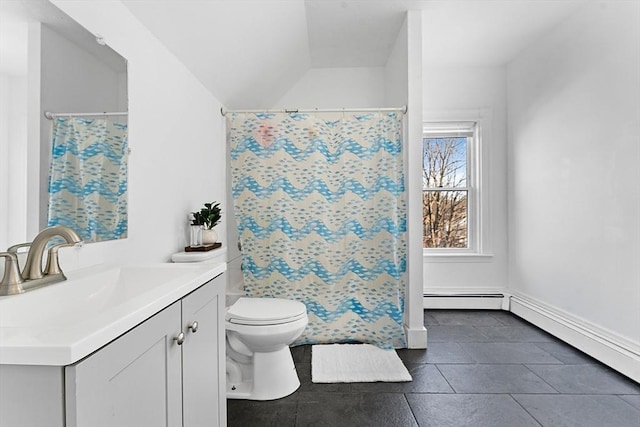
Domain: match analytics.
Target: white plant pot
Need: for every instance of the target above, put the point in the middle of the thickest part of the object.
(209, 237)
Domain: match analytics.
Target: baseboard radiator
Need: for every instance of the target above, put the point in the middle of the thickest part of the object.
(477, 301)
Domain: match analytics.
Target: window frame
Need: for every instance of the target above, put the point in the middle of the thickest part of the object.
(478, 243)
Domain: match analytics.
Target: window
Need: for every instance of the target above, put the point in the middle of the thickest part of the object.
(448, 182)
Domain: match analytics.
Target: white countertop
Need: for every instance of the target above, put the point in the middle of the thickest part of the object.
(62, 323)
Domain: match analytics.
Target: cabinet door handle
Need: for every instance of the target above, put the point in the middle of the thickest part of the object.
(194, 326)
(179, 339)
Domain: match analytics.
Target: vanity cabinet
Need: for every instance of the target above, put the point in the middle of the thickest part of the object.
(168, 370)
(133, 381)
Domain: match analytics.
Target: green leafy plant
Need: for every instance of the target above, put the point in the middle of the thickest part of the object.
(209, 216)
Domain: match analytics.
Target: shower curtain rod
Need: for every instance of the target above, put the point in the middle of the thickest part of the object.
(49, 115)
(224, 111)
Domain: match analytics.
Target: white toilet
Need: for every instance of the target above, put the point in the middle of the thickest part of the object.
(259, 362)
(258, 334)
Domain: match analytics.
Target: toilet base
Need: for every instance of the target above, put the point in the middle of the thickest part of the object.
(274, 377)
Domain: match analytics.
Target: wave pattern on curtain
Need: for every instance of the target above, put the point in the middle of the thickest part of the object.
(88, 177)
(321, 211)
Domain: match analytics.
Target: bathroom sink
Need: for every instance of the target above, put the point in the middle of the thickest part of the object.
(62, 323)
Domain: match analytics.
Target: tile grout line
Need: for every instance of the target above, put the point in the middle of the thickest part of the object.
(542, 379)
(445, 378)
(525, 409)
(411, 409)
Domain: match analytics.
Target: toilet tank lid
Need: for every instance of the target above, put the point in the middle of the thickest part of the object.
(264, 309)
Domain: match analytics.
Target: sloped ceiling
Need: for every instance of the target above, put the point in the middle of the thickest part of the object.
(487, 32)
(355, 33)
(14, 19)
(248, 53)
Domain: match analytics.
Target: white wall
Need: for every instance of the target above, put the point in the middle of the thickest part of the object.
(4, 163)
(175, 131)
(336, 88)
(396, 70)
(574, 180)
(417, 334)
(473, 93)
(13, 159)
(403, 86)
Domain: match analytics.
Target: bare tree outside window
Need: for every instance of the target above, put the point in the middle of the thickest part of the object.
(445, 192)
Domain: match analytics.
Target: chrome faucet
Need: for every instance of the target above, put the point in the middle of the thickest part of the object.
(32, 275)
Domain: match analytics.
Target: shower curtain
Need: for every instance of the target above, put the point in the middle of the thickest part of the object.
(321, 210)
(88, 177)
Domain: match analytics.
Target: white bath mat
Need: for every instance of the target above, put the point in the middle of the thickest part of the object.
(356, 363)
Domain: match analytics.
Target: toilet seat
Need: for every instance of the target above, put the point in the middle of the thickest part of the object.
(265, 311)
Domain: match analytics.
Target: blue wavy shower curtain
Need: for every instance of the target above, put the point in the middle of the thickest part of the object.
(320, 204)
(88, 177)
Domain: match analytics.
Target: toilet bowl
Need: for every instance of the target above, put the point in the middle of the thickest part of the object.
(258, 334)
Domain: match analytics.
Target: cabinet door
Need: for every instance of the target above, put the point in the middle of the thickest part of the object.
(133, 381)
(203, 363)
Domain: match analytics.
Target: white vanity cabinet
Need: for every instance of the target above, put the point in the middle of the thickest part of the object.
(133, 381)
(168, 370)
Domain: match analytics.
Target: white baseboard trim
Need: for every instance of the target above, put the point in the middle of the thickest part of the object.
(416, 338)
(616, 352)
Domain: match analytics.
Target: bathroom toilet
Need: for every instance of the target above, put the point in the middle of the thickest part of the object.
(259, 362)
(258, 334)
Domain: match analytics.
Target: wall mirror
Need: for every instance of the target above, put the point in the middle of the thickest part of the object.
(49, 63)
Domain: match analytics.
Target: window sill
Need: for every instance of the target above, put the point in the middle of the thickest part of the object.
(456, 257)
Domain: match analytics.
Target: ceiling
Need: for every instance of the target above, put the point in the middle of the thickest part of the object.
(248, 53)
(15, 15)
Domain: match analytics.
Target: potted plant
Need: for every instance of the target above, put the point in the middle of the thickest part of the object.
(209, 216)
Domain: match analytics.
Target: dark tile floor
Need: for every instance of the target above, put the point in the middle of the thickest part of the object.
(482, 368)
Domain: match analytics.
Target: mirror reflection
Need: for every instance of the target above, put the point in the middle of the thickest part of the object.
(70, 168)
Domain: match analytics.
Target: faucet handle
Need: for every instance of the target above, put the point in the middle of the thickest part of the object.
(14, 249)
(12, 280)
(53, 266)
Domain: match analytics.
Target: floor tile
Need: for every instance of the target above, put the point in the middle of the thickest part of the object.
(474, 360)
(455, 333)
(245, 413)
(509, 319)
(580, 410)
(493, 379)
(633, 399)
(429, 320)
(517, 352)
(585, 379)
(515, 334)
(440, 352)
(464, 317)
(566, 354)
(301, 354)
(465, 410)
(412, 355)
(354, 409)
(426, 379)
